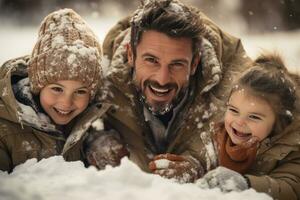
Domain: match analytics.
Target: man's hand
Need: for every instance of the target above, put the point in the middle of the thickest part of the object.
(184, 169)
(225, 179)
(105, 148)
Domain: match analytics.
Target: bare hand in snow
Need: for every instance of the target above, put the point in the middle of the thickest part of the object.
(225, 179)
(184, 169)
(105, 148)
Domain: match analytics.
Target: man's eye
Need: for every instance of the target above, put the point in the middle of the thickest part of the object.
(177, 65)
(57, 89)
(151, 60)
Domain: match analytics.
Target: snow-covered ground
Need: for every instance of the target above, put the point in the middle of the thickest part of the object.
(53, 179)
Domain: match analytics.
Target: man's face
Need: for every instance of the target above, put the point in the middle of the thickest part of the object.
(163, 66)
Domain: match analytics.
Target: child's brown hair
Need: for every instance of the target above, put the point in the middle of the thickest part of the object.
(269, 79)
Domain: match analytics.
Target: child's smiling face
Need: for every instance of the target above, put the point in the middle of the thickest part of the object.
(248, 116)
(64, 100)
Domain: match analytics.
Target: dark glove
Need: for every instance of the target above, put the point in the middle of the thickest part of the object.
(105, 148)
(225, 179)
(184, 169)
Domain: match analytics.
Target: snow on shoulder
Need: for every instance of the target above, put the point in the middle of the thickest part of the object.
(53, 178)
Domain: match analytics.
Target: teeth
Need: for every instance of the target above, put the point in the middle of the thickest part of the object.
(241, 134)
(159, 89)
(63, 112)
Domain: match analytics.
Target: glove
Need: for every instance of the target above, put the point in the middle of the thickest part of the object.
(225, 179)
(105, 148)
(184, 169)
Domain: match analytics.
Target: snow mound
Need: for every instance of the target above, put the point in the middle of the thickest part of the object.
(53, 178)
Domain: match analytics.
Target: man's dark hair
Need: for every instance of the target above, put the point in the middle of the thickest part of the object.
(169, 17)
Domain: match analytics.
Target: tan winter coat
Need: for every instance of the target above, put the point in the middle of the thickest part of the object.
(276, 170)
(23, 135)
(222, 55)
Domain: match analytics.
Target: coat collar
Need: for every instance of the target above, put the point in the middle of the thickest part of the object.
(23, 111)
(80, 130)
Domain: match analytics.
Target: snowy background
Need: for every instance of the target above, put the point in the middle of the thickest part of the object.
(18, 33)
(55, 179)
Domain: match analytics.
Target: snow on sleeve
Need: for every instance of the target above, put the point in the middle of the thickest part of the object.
(53, 178)
(98, 125)
(105, 64)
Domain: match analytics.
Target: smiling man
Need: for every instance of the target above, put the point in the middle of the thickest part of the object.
(169, 66)
(163, 66)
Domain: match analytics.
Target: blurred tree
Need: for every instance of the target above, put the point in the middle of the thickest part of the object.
(292, 13)
(270, 15)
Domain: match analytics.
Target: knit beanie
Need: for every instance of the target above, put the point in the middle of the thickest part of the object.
(67, 49)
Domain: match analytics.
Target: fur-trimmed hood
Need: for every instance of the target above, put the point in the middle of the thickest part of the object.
(17, 98)
(222, 55)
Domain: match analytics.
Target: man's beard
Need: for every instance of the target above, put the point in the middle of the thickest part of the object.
(160, 108)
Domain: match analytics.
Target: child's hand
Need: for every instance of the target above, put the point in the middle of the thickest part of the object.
(183, 169)
(106, 149)
(225, 179)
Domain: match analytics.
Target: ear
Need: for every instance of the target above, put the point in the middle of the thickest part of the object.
(195, 64)
(129, 54)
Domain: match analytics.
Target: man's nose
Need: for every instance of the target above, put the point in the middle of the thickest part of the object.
(163, 75)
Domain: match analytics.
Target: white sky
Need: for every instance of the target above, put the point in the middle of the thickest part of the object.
(17, 41)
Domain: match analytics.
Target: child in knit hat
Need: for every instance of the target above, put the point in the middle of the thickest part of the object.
(258, 144)
(43, 96)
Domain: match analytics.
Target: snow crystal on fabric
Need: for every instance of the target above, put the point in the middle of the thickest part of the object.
(4, 91)
(34, 119)
(162, 163)
(98, 125)
(71, 58)
(120, 55)
(27, 146)
(211, 155)
(105, 64)
(57, 41)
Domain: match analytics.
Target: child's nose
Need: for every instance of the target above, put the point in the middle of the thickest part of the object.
(240, 121)
(66, 101)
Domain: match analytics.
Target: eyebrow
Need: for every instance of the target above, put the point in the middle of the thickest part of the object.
(149, 54)
(173, 61)
(83, 87)
(259, 114)
(252, 113)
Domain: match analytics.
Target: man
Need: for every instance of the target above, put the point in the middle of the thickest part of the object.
(169, 68)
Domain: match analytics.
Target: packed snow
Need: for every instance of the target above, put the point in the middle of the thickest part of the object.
(53, 178)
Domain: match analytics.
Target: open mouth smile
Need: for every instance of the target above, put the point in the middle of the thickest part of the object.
(160, 91)
(240, 134)
(63, 112)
